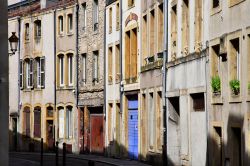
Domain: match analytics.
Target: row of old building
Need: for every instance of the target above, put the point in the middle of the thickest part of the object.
(152, 80)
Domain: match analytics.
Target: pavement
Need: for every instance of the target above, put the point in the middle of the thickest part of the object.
(33, 159)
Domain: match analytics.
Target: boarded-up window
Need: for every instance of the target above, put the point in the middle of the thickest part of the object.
(37, 122)
(61, 122)
(173, 31)
(198, 102)
(26, 121)
(117, 63)
(235, 59)
(160, 28)
(110, 65)
(152, 33)
(144, 39)
(69, 124)
(185, 27)
(110, 19)
(215, 60)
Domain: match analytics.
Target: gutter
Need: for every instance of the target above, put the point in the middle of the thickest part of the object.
(165, 112)
(19, 54)
(77, 54)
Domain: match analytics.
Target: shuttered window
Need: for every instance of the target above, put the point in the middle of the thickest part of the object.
(37, 122)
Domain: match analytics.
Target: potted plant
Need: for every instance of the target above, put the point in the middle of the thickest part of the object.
(235, 86)
(215, 84)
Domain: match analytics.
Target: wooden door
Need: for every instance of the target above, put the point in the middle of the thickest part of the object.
(96, 134)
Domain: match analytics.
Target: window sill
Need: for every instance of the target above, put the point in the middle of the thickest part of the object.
(216, 98)
(235, 98)
(27, 90)
(37, 89)
(61, 35)
(70, 34)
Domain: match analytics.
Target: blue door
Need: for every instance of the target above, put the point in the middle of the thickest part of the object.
(133, 129)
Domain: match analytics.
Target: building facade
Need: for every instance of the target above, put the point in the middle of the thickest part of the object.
(91, 76)
(113, 79)
(228, 83)
(186, 82)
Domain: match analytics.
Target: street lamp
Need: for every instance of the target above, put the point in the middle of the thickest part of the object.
(13, 40)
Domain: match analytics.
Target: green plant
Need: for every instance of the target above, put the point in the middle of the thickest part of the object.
(235, 86)
(215, 84)
(248, 86)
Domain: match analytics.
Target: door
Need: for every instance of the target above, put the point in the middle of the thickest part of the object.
(14, 126)
(133, 129)
(96, 133)
(50, 138)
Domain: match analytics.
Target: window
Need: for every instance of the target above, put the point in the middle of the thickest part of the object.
(84, 68)
(84, 8)
(37, 29)
(198, 24)
(151, 115)
(234, 59)
(37, 122)
(26, 121)
(95, 14)
(160, 28)
(50, 111)
(131, 3)
(60, 24)
(110, 20)
(117, 64)
(27, 31)
(29, 73)
(61, 122)
(185, 27)
(70, 69)
(131, 56)
(216, 3)
(198, 102)
(69, 125)
(215, 60)
(95, 66)
(21, 74)
(40, 72)
(61, 70)
(117, 16)
(144, 39)
(152, 33)
(110, 108)
(110, 65)
(70, 23)
(173, 32)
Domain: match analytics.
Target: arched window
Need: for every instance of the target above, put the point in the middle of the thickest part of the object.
(26, 121)
(37, 122)
(69, 124)
(61, 121)
(50, 111)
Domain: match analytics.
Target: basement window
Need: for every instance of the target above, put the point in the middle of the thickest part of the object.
(198, 102)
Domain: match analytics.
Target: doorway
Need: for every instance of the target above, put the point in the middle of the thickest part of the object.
(50, 134)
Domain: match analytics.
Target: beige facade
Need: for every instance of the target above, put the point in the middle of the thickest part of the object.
(228, 60)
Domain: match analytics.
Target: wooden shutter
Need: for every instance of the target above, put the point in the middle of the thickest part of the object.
(36, 72)
(31, 73)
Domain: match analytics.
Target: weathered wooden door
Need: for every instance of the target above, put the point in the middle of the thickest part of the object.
(96, 133)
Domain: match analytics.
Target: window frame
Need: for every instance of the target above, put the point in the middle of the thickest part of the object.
(70, 69)
(95, 15)
(84, 8)
(95, 66)
(84, 68)
(61, 71)
(27, 32)
(61, 25)
(38, 29)
(70, 23)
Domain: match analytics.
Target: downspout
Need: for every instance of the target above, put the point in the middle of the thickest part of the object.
(104, 53)
(77, 53)
(77, 71)
(19, 52)
(54, 72)
(164, 103)
(121, 76)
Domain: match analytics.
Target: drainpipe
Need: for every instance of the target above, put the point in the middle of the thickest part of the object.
(164, 103)
(54, 71)
(18, 65)
(121, 76)
(77, 53)
(104, 53)
(77, 64)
